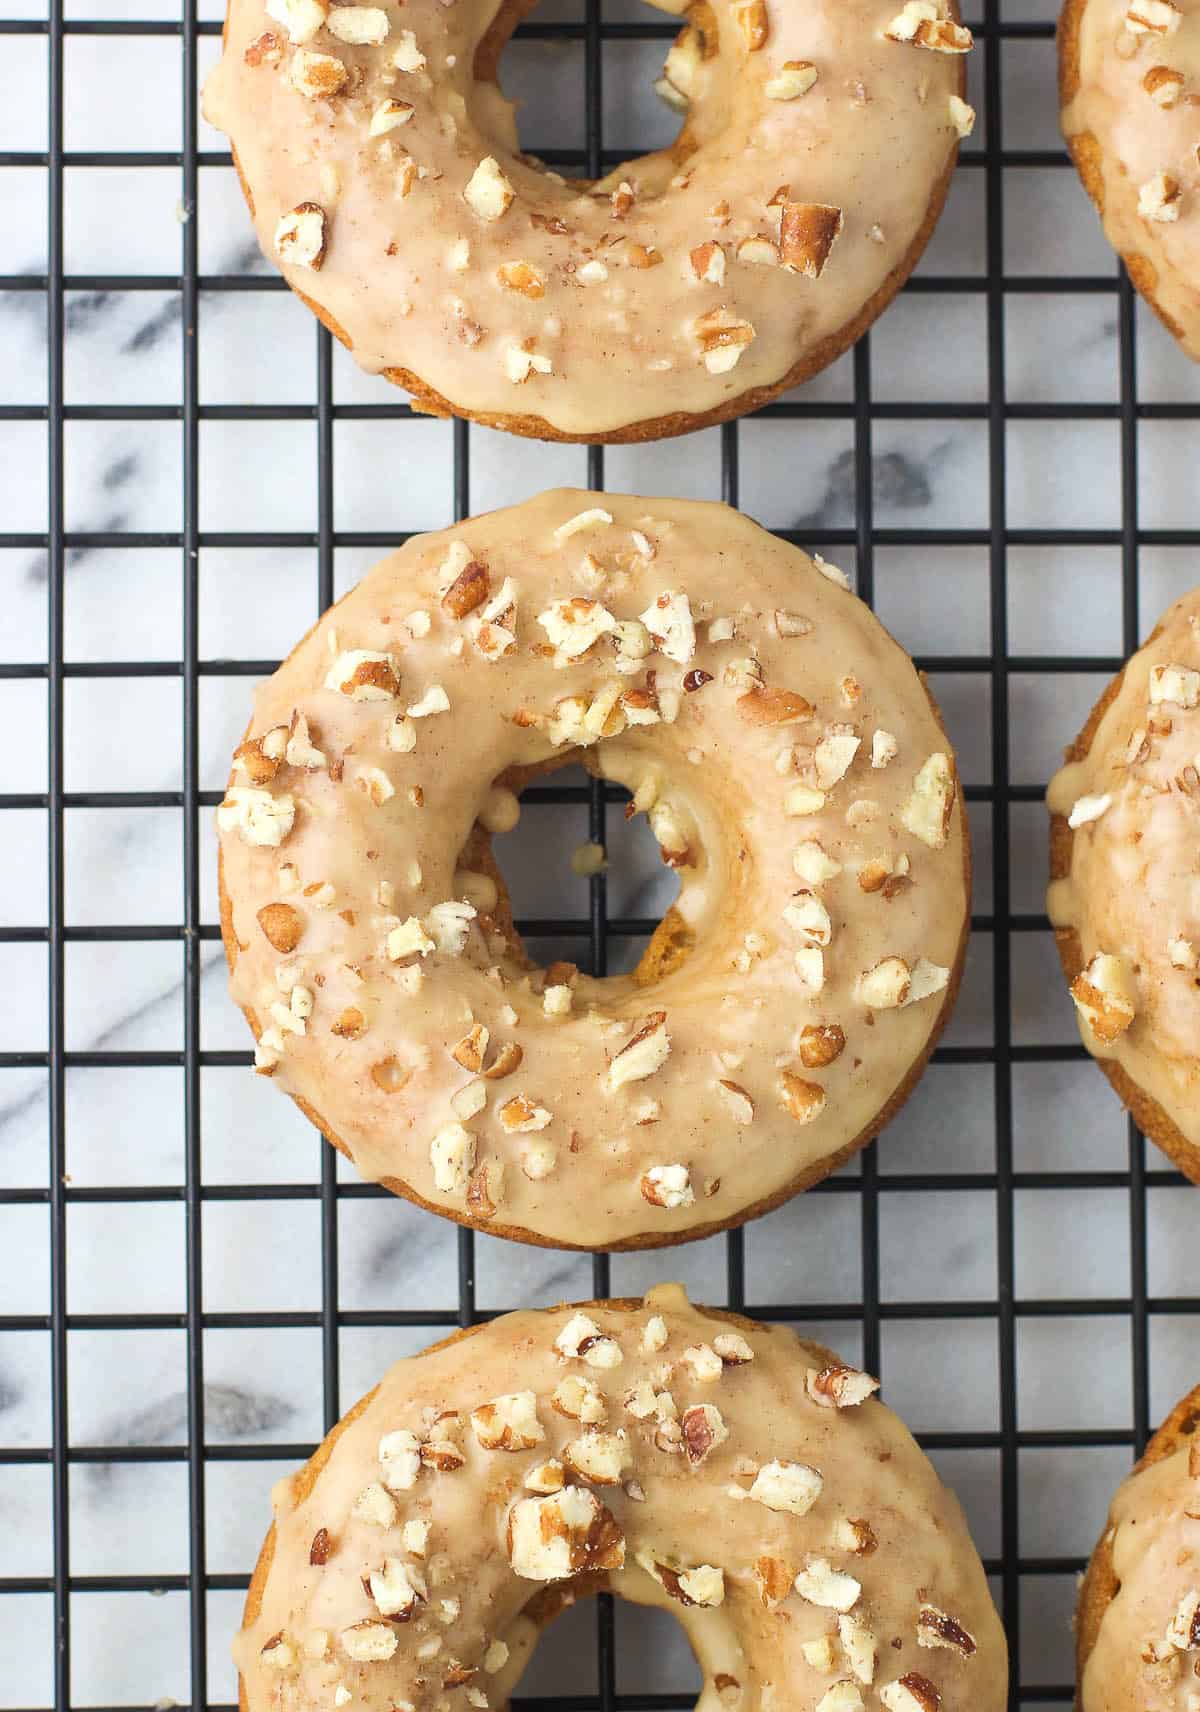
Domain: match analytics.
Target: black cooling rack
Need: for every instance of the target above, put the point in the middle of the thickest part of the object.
(594, 933)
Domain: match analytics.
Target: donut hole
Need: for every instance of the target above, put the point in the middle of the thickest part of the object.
(639, 888)
(541, 868)
(654, 1653)
(654, 91)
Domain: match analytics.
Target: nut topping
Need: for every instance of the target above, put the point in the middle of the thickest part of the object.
(374, 1506)
(488, 192)
(839, 1387)
(822, 1585)
(703, 1429)
(854, 1535)
(928, 810)
(564, 1534)
(773, 707)
(802, 1100)
(452, 1155)
(859, 1646)
(791, 1487)
(1159, 200)
(926, 24)
(256, 815)
(1153, 18)
(599, 1457)
(669, 621)
(574, 625)
(396, 1589)
(520, 1116)
(707, 263)
(912, 1693)
(1105, 996)
(300, 235)
(316, 75)
(886, 986)
(399, 1460)
(362, 26)
(523, 278)
(471, 1049)
(820, 1044)
(282, 926)
(774, 1578)
(722, 339)
(843, 1696)
(470, 588)
(302, 18)
(703, 1585)
(364, 675)
(581, 1339)
(643, 1055)
(1087, 809)
(1176, 686)
(936, 1629)
(738, 1103)
(508, 1423)
(833, 755)
(807, 233)
(751, 18)
(579, 1399)
(1163, 84)
(795, 78)
(807, 916)
(369, 1643)
(733, 1349)
(668, 1186)
(1183, 1632)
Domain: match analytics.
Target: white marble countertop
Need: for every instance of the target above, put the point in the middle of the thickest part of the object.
(123, 866)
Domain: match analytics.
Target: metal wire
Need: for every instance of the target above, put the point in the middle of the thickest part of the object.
(595, 931)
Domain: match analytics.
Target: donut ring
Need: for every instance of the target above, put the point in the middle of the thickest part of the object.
(784, 1007)
(489, 1510)
(1121, 897)
(1130, 1596)
(1129, 89)
(380, 164)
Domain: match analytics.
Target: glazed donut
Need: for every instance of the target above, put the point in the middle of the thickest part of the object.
(1124, 900)
(379, 158)
(794, 772)
(679, 1457)
(1129, 82)
(1138, 1625)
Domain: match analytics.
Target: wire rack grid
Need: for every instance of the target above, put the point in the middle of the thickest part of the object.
(1019, 1575)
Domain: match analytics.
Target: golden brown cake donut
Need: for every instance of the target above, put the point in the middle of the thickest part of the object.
(1124, 896)
(380, 161)
(1138, 1623)
(1129, 87)
(680, 1457)
(794, 772)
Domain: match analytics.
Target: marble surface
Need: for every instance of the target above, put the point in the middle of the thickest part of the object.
(123, 865)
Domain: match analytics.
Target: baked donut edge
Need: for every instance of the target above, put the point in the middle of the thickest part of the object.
(1100, 1585)
(307, 1476)
(805, 1179)
(1146, 1112)
(1087, 155)
(428, 402)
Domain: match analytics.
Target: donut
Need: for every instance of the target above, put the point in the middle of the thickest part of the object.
(795, 775)
(680, 1457)
(1123, 898)
(1129, 87)
(1138, 1626)
(380, 162)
